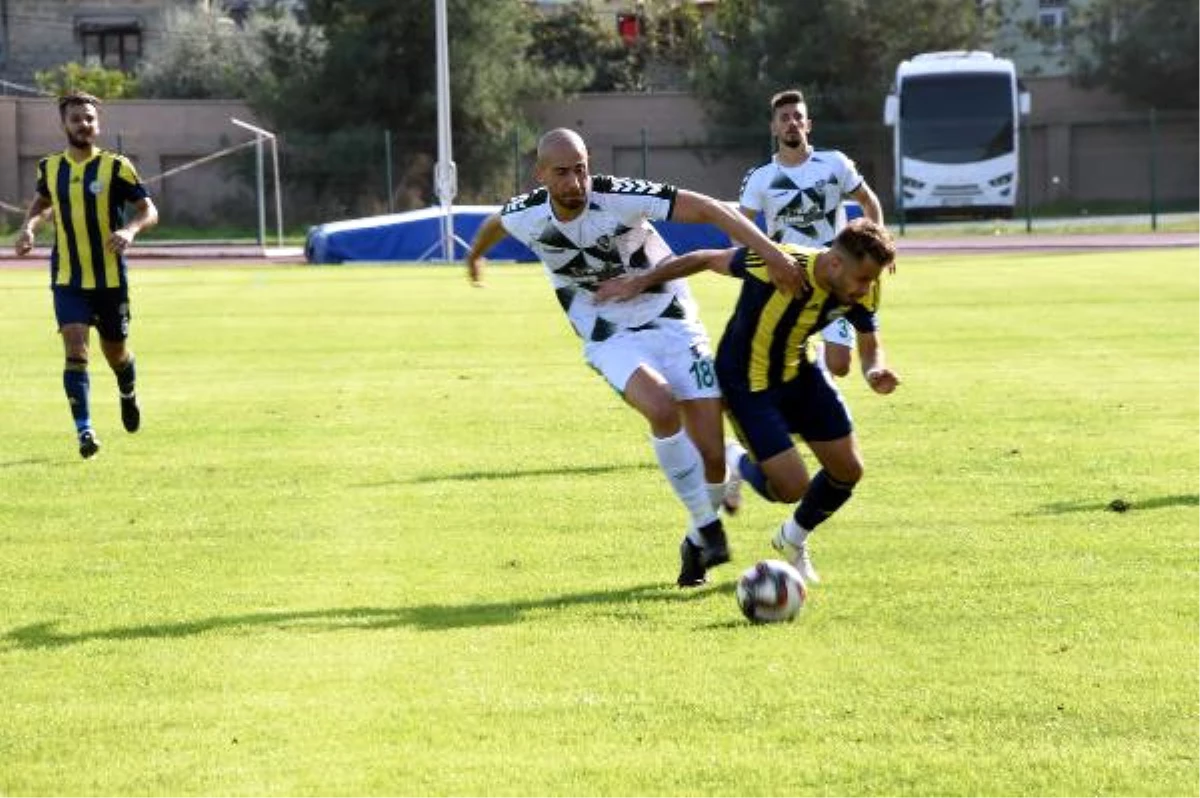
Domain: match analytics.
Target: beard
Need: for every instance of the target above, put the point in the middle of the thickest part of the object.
(80, 140)
(791, 141)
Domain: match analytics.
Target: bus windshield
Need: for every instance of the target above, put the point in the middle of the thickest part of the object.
(956, 118)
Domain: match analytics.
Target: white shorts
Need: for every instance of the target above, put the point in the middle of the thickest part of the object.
(678, 350)
(839, 331)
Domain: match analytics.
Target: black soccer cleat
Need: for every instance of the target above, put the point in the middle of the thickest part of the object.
(696, 560)
(131, 415)
(692, 572)
(88, 445)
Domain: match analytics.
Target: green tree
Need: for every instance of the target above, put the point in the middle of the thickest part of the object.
(841, 53)
(673, 46)
(207, 55)
(1145, 51)
(587, 51)
(370, 67)
(106, 84)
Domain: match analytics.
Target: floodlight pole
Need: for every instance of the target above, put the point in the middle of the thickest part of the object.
(259, 135)
(445, 173)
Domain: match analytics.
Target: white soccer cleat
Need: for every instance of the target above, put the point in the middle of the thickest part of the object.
(796, 555)
(732, 501)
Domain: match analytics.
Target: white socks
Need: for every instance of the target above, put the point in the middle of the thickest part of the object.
(716, 493)
(794, 533)
(680, 462)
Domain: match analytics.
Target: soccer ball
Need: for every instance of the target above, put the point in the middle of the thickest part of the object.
(771, 591)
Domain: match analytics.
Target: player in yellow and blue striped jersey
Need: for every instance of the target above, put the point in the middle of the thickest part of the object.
(87, 188)
(773, 389)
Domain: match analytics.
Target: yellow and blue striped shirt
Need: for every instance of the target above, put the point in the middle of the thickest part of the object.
(763, 345)
(89, 204)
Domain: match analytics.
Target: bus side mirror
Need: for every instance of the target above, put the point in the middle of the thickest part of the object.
(891, 110)
(1023, 103)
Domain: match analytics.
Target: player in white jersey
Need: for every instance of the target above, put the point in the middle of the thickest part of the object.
(799, 193)
(652, 350)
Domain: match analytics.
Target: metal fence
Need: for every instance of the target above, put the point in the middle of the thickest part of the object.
(1131, 163)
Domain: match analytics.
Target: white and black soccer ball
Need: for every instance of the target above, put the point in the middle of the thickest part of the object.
(771, 591)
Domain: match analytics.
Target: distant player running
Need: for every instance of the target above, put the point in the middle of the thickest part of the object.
(652, 350)
(87, 188)
(772, 388)
(799, 193)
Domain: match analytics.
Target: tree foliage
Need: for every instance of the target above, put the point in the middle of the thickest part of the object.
(1145, 51)
(207, 55)
(576, 37)
(841, 53)
(589, 53)
(105, 84)
(370, 66)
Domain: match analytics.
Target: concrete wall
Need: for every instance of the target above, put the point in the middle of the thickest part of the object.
(158, 135)
(42, 34)
(661, 136)
(1090, 146)
(1096, 149)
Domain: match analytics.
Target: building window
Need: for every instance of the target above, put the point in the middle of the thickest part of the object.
(112, 44)
(1052, 20)
(629, 27)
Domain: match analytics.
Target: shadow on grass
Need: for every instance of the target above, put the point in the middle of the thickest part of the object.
(429, 617)
(25, 462)
(516, 473)
(1121, 505)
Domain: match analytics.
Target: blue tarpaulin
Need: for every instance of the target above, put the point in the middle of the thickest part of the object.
(416, 236)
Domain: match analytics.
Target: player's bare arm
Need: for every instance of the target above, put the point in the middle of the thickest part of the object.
(783, 271)
(630, 285)
(874, 364)
(145, 217)
(490, 233)
(23, 243)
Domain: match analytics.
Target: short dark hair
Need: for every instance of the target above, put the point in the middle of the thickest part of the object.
(75, 98)
(863, 238)
(787, 97)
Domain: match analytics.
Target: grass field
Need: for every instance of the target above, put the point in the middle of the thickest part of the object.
(385, 534)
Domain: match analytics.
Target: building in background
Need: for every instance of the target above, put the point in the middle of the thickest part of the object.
(37, 35)
(1034, 55)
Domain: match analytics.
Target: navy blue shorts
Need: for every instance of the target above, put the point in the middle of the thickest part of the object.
(106, 309)
(810, 406)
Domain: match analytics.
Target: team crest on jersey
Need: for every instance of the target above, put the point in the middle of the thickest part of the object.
(96, 187)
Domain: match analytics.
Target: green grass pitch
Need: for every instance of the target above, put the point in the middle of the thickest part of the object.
(383, 533)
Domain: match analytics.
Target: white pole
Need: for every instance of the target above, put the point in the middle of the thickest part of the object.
(278, 194)
(258, 187)
(260, 134)
(445, 173)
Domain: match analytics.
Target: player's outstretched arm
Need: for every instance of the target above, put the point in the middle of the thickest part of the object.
(487, 236)
(693, 207)
(33, 217)
(630, 285)
(874, 364)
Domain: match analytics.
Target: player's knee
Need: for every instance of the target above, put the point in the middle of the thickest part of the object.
(663, 415)
(849, 473)
(790, 489)
(837, 360)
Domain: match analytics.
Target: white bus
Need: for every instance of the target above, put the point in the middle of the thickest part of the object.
(956, 122)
